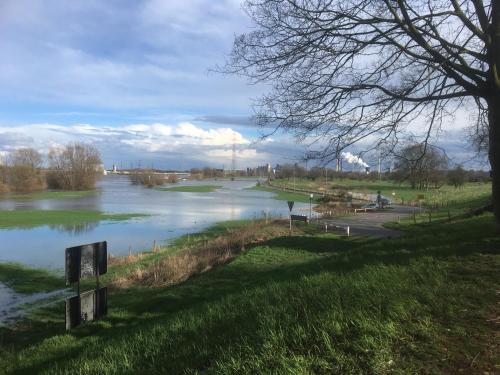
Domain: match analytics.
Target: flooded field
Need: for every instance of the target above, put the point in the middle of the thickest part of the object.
(171, 214)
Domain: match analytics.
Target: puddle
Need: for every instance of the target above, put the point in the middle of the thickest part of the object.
(14, 305)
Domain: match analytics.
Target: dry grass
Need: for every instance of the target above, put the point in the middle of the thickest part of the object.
(197, 259)
(125, 260)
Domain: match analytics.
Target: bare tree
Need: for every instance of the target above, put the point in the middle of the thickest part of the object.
(342, 71)
(457, 176)
(74, 167)
(24, 170)
(421, 170)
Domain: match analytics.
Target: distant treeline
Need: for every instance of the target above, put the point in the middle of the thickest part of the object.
(430, 170)
(75, 166)
(419, 176)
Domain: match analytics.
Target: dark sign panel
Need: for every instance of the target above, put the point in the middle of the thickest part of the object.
(86, 260)
(290, 205)
(86, 307)
(303, 218)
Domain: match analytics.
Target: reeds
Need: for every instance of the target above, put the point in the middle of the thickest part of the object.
(190, 261)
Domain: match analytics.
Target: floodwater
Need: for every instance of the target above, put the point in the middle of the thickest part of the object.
(14, 305)
(172, 214)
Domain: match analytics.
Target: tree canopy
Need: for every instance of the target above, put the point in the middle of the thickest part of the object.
(344, 71)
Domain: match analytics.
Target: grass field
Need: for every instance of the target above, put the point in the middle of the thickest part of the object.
(35, 218)
(444, 196)
(193, 189)
(311, 303)
(285, 195)
(50, 195)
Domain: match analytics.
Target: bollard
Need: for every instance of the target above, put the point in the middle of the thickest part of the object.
(348, 231)
(154, 246)
(326, 227)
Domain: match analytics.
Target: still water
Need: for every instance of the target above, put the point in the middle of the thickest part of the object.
(172, 214)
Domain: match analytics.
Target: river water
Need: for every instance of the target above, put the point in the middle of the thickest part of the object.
(172, 214)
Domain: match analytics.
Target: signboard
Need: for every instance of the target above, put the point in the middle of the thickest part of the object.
(420, 197)
(81, 262)
(303, 218)
(85, 261)
(290, 205)
(86, 307)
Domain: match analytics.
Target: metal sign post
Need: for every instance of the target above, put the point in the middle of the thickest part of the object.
(82, 262)
(290, 207)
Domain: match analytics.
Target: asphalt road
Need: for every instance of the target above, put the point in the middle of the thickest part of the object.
(369, 224)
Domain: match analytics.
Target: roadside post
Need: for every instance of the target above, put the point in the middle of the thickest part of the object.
(290, 207)
(311, 196)
(81, 262)
(421, 198)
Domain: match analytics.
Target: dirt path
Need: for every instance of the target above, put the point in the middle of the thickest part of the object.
(371, 223)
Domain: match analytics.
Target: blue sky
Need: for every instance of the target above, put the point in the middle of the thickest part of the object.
(133, 78)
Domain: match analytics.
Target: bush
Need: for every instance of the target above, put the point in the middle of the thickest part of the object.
(77, 166)
(146, 177)
(456, 177)
(23, 172)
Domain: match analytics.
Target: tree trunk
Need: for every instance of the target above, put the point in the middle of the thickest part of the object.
(494, 108)
(494, 154)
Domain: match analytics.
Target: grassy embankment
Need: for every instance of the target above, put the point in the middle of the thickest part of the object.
(311, 303)
(193, 189)
(35, 218)
(446, 195)
(285, 195)
(49, 195)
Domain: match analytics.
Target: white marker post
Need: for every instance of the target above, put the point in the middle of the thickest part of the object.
(290, 207)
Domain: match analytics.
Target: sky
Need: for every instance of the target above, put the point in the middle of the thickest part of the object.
(135, 78)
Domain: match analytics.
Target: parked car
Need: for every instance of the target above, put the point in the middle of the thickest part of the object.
(370, 206)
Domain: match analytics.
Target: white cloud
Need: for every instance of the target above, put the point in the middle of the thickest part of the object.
(243, 154)
(183, 140)
(141, 55)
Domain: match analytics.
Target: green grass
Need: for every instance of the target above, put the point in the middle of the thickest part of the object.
(444, 196)
(298, 305)
(285, 195)
(193, 189)
(35, 218)
(29, 280)
(50, 195)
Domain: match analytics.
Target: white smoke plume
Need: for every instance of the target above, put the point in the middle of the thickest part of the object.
(353, 159)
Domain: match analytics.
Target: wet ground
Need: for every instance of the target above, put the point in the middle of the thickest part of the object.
(14, 305)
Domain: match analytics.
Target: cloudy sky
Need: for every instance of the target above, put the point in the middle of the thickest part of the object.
(133, 78)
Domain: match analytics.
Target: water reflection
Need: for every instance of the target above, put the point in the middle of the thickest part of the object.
(172, 214)
(75, 229)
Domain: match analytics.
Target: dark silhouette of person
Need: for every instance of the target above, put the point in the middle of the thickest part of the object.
(380, 203)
